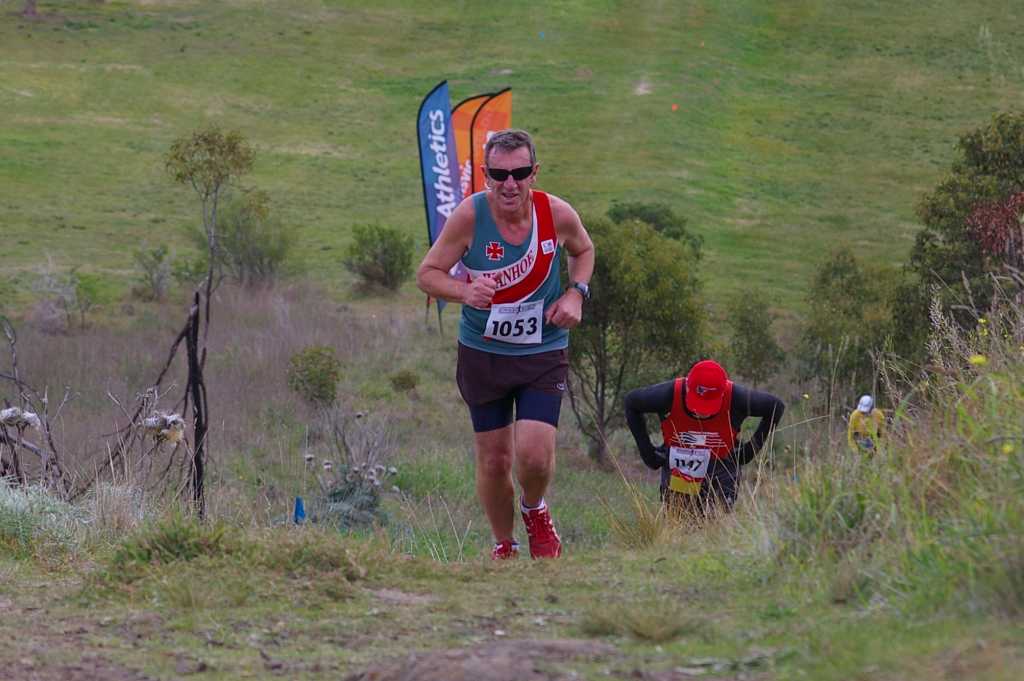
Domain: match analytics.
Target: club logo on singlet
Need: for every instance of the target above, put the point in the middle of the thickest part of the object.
(494, 251)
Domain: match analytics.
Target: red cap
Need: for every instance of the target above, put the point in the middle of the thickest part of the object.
(705, 387)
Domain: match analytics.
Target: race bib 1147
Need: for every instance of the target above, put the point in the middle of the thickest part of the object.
(689, 467)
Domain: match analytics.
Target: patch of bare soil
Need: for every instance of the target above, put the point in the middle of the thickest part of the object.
(523, 660)
(43, 644)
(89, 668)
(396, 597)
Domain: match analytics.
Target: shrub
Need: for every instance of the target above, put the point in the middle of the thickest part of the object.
(380, 256)
(188, 272)
(659, 216)
(57, 289)
(404, 381)
(153, 268)
(313, 374)
(753, 351)
(964, 208)
(252, 244)
(351, 502)
(849, 319)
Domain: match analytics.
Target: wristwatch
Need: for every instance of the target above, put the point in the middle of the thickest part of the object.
(582, 288)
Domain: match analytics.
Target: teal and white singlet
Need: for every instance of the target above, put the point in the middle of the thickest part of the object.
(528, 283)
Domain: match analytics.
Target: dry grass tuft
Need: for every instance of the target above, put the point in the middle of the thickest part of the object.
(116, 508)
(656, 622)
(644, 522)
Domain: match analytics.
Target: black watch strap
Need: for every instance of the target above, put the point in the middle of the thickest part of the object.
(584, 289)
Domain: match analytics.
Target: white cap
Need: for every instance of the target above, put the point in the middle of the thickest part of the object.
(866, 404)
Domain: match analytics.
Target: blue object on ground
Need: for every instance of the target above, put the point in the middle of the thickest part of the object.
(300, 511)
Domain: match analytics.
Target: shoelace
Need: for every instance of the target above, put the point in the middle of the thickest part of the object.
(539, 522)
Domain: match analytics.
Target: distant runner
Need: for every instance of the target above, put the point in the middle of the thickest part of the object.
(866, 426)
(514, 330)
(701, 416)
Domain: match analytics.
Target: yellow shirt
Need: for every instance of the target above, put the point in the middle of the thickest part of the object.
(863, 425)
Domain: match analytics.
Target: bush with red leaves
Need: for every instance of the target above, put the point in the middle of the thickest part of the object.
(999, 229)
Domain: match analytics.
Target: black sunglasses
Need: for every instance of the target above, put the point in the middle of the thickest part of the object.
(518, 174)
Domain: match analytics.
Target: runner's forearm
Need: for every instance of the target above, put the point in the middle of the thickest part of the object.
(655, 399)
(581, 266)
(439, 284)
(748, 403)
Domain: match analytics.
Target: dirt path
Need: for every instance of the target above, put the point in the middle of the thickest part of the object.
(49, 647)
(50, 639)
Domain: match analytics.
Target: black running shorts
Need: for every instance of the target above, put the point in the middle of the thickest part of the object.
(492, 385)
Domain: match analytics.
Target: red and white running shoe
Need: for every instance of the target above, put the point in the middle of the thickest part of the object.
(544, 541)
(505, 550)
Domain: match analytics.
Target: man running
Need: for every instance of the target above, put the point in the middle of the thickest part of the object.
(514, 330)
(701, 416)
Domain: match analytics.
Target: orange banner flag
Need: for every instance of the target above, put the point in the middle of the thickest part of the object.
(462, 127)
(493, 115)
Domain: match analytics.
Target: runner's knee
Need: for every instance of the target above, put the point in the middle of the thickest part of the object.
(533, 463)
(496, 463)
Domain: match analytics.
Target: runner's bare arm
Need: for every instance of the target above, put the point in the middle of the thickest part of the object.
(567, 311)
(455, 239)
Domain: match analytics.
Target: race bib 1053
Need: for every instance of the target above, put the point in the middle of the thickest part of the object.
(516, 323)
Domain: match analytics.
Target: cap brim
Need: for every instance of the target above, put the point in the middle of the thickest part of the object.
(704, 405)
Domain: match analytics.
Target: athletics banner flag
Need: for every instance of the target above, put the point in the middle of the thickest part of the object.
(439, 164)
(493, 115)
(462, 123)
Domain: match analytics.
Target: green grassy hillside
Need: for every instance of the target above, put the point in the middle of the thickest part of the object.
(904, 565)
(800, 125)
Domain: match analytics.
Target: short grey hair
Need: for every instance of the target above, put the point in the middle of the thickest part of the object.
(510, 140)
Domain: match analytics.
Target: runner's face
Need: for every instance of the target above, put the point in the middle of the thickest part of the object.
(511, 194)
